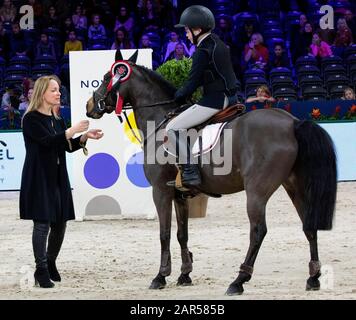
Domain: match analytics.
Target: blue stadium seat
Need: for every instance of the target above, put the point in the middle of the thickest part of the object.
(22, 60)
(305, 60)
(254, 82)
(280, 71)
(310, 80)
(337, 91)
(332, 60)
(13, 79)
(336, 80)
(334, 69)
(18, 69)
(43, 68)
(314, 93)
(281, 82)
(286, 94)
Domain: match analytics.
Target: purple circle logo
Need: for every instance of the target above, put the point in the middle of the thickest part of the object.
(135, 172)
(101, 170)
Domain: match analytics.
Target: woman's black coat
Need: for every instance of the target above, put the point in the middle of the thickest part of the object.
(45, 169)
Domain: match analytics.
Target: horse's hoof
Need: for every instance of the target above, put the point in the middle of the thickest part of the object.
(234, 290)
(158, 283)
(313, 284)
(184, 280)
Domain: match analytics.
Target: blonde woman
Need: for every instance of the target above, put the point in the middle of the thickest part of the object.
(256, 54)
(45, 195)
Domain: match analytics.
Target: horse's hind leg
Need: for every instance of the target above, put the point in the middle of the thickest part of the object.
(314, 264)
(163, 203)
(181, 207)
(256, 209)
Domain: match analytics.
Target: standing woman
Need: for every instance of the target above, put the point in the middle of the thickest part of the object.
(45, 195)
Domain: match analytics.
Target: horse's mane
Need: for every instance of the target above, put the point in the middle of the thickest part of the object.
(157, 78)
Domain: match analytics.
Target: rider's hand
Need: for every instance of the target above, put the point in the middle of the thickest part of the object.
(179, 98)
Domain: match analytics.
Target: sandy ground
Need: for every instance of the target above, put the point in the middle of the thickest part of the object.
(117, 259)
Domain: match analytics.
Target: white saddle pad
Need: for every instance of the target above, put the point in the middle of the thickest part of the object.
(210, 137)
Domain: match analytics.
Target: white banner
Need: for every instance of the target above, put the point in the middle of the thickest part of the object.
(110, 180)
(12, 157)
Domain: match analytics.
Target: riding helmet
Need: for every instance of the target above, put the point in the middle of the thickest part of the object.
(197, 17)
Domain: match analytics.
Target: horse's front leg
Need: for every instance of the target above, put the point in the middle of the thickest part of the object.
(163, 203)
(182, 212)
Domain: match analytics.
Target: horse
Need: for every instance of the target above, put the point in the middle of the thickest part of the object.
(270, 148)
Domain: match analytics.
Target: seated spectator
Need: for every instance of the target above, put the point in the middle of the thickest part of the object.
(145, 43)
(319, 48)
(79, 19)
(4, 42)
(9, 97)
(171, 45)
(150, 16)
(18, 43)
(224, 31)
(303, 42)
(44, 46)
(256, 54)
(279, 58)
(8, 12)
(123, 19)
(351, 22)
(37, 8)
(72, 44)
(243, 36)
(262, 95)
(27, 97)
(343, 37)
(67, 27)
(122, 40)
(51, 20)
(96, 29)
(178, 53)
(349, 94)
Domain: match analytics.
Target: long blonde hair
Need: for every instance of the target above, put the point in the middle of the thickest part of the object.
(41, 85)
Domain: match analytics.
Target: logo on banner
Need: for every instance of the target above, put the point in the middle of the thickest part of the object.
(5, 153)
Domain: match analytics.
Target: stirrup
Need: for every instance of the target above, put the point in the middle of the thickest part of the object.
(177, 183)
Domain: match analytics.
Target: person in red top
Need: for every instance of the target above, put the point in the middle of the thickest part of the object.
(256, 54)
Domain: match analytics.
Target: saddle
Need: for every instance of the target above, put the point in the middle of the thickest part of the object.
(225, 115)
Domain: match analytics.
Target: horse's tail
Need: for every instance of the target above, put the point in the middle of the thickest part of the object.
(316, 167)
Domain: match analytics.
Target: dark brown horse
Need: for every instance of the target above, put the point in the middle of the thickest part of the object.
(270, 148)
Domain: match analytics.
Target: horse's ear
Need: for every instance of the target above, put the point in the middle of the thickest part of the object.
(118, 55)
(133, 58)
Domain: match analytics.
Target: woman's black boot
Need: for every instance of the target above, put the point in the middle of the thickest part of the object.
(53, 272)
(42, 278)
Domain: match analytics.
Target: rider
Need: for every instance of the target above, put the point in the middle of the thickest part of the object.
(212, 69)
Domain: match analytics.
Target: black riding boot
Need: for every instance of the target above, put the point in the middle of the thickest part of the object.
(55, 241)
(190, 175)
(39, 242)
(190, 171)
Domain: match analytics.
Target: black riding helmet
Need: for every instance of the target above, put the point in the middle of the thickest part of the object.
(197, 17)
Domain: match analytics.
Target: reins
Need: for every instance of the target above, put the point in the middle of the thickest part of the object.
(167, 116)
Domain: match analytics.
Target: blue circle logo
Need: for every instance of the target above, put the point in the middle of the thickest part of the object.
(135, 172)
(101, 170)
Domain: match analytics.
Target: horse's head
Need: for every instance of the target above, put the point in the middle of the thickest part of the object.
(107, 97)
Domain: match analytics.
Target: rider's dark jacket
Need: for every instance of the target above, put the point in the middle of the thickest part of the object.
(212, 69)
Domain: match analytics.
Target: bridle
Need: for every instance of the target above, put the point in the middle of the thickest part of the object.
(120, 72)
